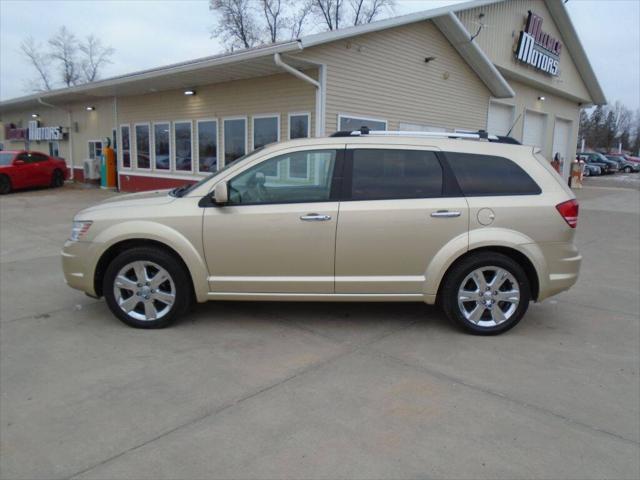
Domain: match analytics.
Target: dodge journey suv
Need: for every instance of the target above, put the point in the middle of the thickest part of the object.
(480, 228)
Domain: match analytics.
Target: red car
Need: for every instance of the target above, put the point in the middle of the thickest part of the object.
(22, 169)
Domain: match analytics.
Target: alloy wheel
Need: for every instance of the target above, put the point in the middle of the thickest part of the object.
(144, 290)
(488, 296)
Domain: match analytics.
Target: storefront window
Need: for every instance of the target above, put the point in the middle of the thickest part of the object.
(349, 123)
(182, 132)
(95, 149)
(235, 139)
(298, 125)
(142, 146)
(126, 152)
(207, 145)
(161, 140)
(54, 149)
(265, 131)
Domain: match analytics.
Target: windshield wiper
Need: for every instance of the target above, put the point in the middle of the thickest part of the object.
(179, 191)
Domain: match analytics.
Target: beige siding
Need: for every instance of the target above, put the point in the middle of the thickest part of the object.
(94, 125)
(499, 37)
(384, 75)
(276, 94)
(553, 107)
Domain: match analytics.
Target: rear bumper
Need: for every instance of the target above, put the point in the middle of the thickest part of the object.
(562, 268)
(77, 266)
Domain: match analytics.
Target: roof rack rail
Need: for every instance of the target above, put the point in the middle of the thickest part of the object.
(470, 135)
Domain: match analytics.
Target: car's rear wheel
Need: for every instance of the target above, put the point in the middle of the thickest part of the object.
(486, 293)
(5, 184)
(627, 169)
(147, 287)
(57, 179)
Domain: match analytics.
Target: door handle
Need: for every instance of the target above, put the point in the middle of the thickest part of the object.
(315, 217)
(445, 214)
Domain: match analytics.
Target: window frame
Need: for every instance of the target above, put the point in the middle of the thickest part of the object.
(224, 143)
(56, 148)
(450, 188)
(298, 114)
(94, 148)
(263, 116)
(336, 188)
(359, 117)
(121, 149)
(197, 144)
(135, 144)
(174, 150)
(153, 142)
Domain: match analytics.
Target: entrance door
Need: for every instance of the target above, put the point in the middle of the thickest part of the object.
(277, 232)
(393, 221)
(500, 119)
(561, 142)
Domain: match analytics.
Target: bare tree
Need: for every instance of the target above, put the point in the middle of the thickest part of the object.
(95, 57)
(329, 11)
(40, 61)
(298, 19)
(237, 24)
(332, 13)
(369, 11)
(64, 49)
(273, 15)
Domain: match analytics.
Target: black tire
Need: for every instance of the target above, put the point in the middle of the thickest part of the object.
(459, 272)
(5, 184)
(181, 283)
(57, 179)
(586, 173)
(627, 169)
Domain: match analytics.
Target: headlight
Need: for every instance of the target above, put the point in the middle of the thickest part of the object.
(79, 230)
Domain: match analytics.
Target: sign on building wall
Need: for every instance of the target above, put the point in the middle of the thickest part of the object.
(537, 48)
(44, 133)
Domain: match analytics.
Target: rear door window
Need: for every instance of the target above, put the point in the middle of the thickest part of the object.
(385, 174)
(487, 175)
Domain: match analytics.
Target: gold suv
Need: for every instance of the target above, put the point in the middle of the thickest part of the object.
(479, 227)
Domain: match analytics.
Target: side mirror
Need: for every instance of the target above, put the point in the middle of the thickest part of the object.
(221, 193)
(18, 162)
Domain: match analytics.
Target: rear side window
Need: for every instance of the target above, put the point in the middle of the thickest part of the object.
(487, 175)
(395, 174)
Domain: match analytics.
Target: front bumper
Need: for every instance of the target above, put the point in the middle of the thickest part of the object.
(78, 266)
(563, 267)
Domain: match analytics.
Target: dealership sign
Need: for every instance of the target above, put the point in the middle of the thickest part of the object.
(44, 133)
(538, 48)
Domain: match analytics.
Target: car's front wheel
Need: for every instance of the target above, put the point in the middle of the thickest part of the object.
(147, 287)
(586, 173)
(627, 169)
(487, 293)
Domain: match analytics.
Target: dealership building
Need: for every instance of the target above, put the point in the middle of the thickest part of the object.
(513, 67)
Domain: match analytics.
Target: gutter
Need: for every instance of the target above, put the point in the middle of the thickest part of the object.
(319, 85)
(42, 102)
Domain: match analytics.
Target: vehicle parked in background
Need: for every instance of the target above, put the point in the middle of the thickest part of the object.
(623, 164)
(628, 158)
(591, 170)
(479, 228)
(595, 158)
(23, 169)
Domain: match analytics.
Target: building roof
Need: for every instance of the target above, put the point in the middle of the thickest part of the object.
(258, 61)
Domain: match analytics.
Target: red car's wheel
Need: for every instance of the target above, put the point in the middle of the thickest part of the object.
(5, 184)
(57, 179)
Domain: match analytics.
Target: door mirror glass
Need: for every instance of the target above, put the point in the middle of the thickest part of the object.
(221, 193)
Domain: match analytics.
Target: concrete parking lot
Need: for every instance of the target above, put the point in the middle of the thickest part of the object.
(267, 390)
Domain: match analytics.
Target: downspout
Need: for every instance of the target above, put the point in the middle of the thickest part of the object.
(319, 85)
(42, 102)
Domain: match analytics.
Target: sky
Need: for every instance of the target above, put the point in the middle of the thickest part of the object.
(150, 33)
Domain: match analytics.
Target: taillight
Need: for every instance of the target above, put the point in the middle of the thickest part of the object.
(569, 211)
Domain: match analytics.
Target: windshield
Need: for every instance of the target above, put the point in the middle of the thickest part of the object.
(6, 158)
(185, 190)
